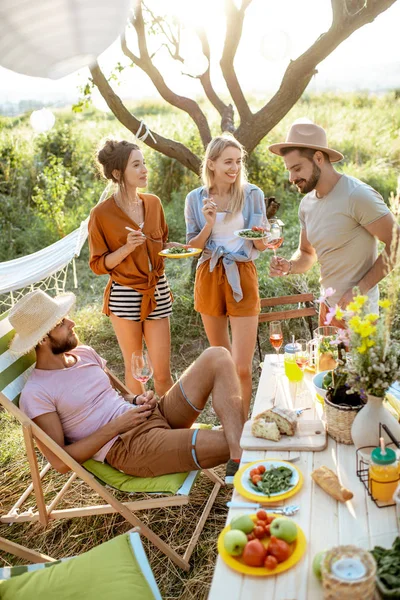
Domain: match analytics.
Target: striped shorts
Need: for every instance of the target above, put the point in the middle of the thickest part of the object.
(125, 302)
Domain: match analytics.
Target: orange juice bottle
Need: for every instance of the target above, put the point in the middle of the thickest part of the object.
(383, 475)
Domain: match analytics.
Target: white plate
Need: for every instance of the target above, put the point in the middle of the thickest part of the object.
(268, 465)
(238, 231)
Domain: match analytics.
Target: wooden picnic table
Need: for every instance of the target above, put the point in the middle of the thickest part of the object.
(325, 521)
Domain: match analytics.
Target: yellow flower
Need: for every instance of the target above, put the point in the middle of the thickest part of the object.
(357, 303)
(354, 323)
(372, 317)
(370, 343)
(384, 303)
(362, 349)
(366, 329)
(339, 314)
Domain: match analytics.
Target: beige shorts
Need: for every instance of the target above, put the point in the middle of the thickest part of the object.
(155, 447)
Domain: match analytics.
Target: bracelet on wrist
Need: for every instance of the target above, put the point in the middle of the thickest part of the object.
(135, 398)
(290, 268)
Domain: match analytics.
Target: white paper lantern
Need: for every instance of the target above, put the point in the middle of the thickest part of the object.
(42, 120)
(52, 38)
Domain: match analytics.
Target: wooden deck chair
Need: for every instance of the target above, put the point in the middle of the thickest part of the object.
(306, 308)
(116, 569)
(14, 372)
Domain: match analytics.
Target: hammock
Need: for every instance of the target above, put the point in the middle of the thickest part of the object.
(46, 269)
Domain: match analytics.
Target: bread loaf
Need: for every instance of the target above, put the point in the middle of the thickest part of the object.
(329, 482)
(285, 419)
(263, 429)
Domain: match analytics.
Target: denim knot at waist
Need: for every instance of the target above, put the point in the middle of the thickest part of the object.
(229, 261)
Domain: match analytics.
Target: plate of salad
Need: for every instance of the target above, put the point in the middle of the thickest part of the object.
(179, 252)
(268, 480)
(255, 233)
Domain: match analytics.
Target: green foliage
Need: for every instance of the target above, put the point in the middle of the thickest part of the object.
(54, 185)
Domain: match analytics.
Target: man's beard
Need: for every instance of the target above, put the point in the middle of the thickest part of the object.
(310, 184)
(58, 347)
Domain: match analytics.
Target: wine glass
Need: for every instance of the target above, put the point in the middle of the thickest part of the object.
(276, 337)
(141, 366)
(302, 355)
(275, 239)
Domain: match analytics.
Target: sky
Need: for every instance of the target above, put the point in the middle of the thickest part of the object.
(275, 31)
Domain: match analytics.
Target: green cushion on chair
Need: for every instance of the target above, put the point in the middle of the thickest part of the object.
(163, 484)
(108, 571)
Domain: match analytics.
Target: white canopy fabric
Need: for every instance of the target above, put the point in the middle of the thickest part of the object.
(28, 271)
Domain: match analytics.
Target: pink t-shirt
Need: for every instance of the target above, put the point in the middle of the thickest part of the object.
(82, 396)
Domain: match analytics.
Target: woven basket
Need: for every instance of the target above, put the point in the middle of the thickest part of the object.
(339, 419)
(340, 589)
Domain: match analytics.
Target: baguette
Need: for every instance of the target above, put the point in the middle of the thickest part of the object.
(329, 482)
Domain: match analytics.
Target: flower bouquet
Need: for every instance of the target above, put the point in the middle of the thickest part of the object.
(373, 365)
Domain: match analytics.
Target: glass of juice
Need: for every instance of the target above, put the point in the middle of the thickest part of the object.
(276, 337)
(292, 371)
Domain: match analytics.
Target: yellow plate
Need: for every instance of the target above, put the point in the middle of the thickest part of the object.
(236, 562)
(241, 481)
(191, 252)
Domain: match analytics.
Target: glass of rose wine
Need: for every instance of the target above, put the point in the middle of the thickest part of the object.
(276, 337)
(275, 238)
(141, 366)
(302, 356)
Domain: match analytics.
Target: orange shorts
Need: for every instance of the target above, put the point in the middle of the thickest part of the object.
(213, 295)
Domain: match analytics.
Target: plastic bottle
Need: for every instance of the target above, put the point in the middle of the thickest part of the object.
(292, 371)
(383, 475)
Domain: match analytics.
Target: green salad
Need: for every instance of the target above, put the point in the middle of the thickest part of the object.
(178, 250)
(388, 569)
(273, 481)
(249, 233)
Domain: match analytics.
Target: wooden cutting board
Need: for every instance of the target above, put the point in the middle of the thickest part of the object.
(310, 436)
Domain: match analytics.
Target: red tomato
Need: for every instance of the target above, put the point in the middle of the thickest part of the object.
(256, 478)
(268, 529)
(261, 515)
(259, 532)
(279, 548)
(270, 562)
(251, 536)
(270, 519)
(254, 554)
(254, 472)
(261, 469)
(261, 523)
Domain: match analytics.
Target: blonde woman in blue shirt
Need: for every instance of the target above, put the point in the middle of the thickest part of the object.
(226, 286)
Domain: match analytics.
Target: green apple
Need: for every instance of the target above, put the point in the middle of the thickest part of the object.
(316, 563)
(234, 542)
(284, 529)
(243, 522)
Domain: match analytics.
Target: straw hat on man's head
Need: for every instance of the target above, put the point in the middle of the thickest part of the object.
(34, 316)
(306, 135)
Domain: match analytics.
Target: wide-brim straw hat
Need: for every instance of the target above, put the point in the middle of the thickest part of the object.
(307, 135)
(34, 316)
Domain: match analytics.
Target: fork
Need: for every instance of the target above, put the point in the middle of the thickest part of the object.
(146, 236)
(287, 511)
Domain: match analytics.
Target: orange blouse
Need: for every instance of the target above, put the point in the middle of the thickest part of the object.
(107, 234)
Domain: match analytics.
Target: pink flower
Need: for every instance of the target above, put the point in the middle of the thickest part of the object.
(330, 315)
(326, 294)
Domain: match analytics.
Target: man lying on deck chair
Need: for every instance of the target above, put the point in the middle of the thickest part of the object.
(70, 396)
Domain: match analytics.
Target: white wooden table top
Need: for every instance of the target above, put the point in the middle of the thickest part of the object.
(325, 521)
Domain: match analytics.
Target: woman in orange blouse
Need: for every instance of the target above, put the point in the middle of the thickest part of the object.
(137, 297)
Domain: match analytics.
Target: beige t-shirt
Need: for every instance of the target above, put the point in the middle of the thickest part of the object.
(335, 227)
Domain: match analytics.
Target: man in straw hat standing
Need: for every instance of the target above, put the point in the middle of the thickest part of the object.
(69, 395)
(341, 220)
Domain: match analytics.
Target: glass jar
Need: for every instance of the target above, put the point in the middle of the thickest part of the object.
(292, 371)
(383, 475)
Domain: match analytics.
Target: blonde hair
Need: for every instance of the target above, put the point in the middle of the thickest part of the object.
(213, 151)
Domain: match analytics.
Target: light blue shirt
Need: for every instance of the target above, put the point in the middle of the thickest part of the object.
(253, 215)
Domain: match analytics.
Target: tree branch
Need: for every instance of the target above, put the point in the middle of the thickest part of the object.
(300, 71)
(234, 27)
(145, 63)
(170, 148)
